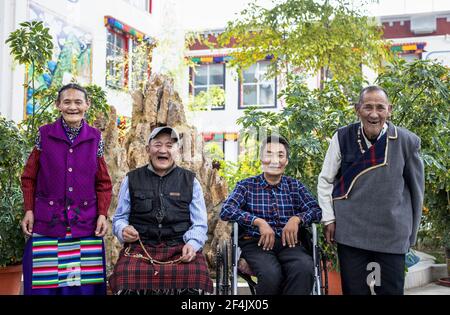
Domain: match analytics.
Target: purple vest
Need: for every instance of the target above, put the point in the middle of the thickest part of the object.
(65, 187)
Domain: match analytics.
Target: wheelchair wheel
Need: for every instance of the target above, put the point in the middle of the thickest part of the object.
(222, 269)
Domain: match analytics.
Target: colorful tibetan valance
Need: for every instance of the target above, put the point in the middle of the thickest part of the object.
(408, 48)
(216, 59)
(230, 136)
(213, 136)
(123, 28)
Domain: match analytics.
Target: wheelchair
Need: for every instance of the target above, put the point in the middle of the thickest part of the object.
(229, 265)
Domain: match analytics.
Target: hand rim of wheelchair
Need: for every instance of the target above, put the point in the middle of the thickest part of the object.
(226, 284)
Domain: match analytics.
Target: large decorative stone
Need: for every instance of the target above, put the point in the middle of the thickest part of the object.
(161, 105)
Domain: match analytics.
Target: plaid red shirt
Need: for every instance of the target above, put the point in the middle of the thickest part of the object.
(254, 198)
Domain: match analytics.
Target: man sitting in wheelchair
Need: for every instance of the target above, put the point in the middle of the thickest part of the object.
(270, 208)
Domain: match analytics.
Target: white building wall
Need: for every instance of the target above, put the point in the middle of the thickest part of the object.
(224, 121)
(12, 13)
(219, 120)
(437, 48)
(86, 14)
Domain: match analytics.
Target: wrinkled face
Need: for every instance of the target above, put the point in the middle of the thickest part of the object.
(274, 159)
(373, 111)
(161, 151)
(72, 105)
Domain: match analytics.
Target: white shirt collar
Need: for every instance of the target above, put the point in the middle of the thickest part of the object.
(383, 131)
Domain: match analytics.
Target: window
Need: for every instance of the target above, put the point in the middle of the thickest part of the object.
(411, 57)
(116, 66)
(208, 85)
(127, 62)
(141, 54)
(145, 5)
(255, 89)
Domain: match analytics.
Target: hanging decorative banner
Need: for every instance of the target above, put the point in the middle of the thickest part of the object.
(207, 136)
(408, 48)
(217, 59)
(206, 59)
(213, 136)
(125, 29)
(123, 122)
(218, 137)
(231, 136)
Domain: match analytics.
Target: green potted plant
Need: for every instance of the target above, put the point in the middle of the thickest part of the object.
(13, 152)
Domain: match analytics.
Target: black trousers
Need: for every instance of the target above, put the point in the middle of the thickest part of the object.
(282, 270)
(388, 268)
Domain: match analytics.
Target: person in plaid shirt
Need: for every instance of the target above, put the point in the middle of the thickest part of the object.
(269, 209)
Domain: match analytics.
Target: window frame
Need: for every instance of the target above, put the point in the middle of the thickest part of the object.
(147, 6)
(134, 43)
(257, 84)
(123, 83)
(192, 86)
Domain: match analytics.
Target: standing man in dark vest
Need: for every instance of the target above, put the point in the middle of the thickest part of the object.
(371, 190)
(161, 217)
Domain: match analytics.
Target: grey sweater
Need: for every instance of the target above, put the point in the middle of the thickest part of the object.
(383, 210)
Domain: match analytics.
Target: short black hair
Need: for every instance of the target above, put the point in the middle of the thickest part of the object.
(369, 89)
(276, 139)
(72, 86)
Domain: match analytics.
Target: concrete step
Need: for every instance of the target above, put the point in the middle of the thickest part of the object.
(424, 272)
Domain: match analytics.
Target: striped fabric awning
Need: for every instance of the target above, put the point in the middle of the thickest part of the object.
(408, 48)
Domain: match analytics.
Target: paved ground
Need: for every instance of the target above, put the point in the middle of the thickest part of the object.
(429, 289)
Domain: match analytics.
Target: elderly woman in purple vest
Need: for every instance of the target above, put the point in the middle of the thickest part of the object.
(67, 193)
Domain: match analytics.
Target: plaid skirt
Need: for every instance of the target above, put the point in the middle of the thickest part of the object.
(132, 273)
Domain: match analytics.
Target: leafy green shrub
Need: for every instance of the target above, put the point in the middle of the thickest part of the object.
(12, 158)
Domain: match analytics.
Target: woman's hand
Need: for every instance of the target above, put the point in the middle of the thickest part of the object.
(27, 223)
(102, 226)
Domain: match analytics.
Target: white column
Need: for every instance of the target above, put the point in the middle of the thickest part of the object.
(231, 150)
(16, 77)
(6, 68)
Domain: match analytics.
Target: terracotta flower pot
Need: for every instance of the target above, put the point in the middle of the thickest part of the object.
(10, 280)
(334, 280)
(334, 283)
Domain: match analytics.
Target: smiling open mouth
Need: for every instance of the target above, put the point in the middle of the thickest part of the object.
(162, 158)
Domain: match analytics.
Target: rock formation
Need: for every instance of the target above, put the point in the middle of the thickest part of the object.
(161, 105)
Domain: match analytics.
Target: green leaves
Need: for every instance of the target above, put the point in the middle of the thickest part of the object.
(309, 35)
(99, 103)
(419, 92)
(206, 100)
(420, 96)
(13, 153)
(31, 45)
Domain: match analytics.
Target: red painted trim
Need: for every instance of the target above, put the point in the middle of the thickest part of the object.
(401, 31)
(150, 6)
